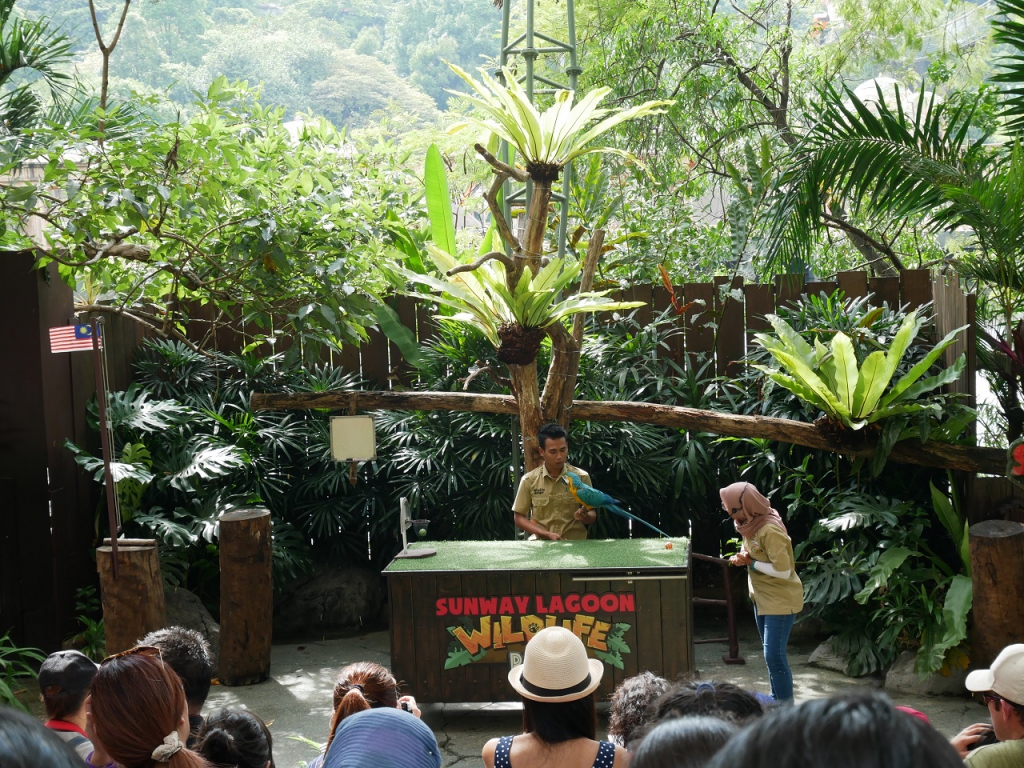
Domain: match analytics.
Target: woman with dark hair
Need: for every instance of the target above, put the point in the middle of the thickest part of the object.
(27, 743)
(682, 742)
(847, 731)
(556, 683)
(631, 706)
(707, 697)
(359, 687)
(775, 589)
(138, 712)
(237, 738)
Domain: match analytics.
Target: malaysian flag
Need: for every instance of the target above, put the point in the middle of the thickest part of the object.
(71, 338)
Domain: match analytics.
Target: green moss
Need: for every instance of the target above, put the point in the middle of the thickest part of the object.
(615, 554)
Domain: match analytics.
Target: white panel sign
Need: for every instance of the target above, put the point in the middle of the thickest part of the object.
(353, 438)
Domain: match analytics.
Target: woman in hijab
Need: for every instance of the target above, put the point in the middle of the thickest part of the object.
(775, 589)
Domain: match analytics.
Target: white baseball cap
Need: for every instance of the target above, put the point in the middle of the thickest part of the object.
(1005, 677)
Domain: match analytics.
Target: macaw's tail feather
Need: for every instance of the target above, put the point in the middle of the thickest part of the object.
(629, 516)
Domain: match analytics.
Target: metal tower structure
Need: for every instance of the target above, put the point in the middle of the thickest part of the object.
(529, 46)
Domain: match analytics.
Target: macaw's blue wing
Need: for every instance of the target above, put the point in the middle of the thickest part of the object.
(629, 516)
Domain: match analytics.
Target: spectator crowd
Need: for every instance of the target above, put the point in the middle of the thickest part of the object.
(142, 709)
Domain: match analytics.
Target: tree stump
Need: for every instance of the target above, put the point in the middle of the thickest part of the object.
(133, 604)
(246, 596)
(997, 567)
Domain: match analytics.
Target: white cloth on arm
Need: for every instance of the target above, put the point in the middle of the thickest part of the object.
(769, 570)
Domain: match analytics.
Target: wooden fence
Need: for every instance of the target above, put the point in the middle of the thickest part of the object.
(48, 505)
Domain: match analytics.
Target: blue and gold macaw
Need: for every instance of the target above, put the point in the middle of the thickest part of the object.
(591, 498)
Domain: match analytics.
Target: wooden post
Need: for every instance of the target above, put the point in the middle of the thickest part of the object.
(133, 603)
(997, 565)
(246, 596)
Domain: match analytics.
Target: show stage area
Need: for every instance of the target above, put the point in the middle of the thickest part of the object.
(297, 698)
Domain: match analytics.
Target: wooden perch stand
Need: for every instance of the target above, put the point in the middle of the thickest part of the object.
(990, 461)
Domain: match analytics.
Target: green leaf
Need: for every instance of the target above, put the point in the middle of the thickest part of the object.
(439, 202)
(396, 331)
(879, 575)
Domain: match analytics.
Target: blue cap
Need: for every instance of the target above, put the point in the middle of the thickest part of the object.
(383, 738)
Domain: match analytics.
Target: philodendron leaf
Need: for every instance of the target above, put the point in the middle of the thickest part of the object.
(439, 202)
(887, 564)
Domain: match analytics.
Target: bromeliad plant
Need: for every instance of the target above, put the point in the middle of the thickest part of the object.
(544, 142)
(855, 393)
(515, 321)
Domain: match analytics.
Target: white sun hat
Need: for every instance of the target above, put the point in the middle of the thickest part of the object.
(1005, 677)
(555, 668)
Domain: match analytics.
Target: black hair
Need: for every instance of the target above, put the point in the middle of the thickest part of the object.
(27, 743)
(187, 653)
(683, 742)
(850, 730)
(236, 737)
(552, 431)
(707, 697)
(631, 704)
(61, 705)
(557, 722)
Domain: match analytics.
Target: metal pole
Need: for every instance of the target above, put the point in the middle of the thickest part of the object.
(108, 477)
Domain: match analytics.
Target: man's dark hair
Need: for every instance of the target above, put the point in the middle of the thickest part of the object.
(846, 731)
(552, 431)
(27, 743)
(555, 722)
(707, 697)
(187, 653)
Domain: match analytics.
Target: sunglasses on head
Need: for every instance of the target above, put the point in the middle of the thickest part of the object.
(139, 650)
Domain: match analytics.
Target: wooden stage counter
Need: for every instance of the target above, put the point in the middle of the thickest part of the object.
(461, 619)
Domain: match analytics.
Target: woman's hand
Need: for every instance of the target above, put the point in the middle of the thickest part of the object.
(741, 560)
(408, 703)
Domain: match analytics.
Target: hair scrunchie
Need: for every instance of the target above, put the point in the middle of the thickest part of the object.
(169, 748)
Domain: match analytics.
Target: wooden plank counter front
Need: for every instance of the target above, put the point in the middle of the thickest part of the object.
(461, 619)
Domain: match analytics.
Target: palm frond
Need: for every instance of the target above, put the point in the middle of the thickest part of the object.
(877, 159)
(1009, 30)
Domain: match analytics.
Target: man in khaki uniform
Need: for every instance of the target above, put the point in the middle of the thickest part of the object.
(544, 507)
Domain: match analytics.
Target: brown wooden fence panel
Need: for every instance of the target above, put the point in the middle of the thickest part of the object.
(886, 290)
(700, 335)
(787, 289)
(374, 357)
(915, 287)
(730, 341)
(661, 300)
(853, 284)
(816, 287)
(643, 293)
(760, 301)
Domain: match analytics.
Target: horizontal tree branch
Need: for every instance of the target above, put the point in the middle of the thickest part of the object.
(930, 454)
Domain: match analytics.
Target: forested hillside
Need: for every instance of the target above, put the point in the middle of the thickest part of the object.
(343, 59)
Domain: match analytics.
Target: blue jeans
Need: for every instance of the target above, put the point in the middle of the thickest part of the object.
(774, 631)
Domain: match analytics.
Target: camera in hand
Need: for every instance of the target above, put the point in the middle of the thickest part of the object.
(988, 737)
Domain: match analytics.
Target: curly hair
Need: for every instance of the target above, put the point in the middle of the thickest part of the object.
(631, 704)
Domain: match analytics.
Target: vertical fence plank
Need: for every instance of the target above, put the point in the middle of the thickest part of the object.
(915, 287)
(660, 302)
(787, 289)
(886, 290)
(643, 293)
(700, 337)
(817, 287)
(853, 284)
(426, 325)
(730, 341)
(348, 359)
(374, 355)
(971, 372)
(759, 302)
(406, 308)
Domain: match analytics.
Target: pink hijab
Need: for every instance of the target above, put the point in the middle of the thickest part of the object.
(746, 497)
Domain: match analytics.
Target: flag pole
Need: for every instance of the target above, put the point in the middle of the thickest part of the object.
(101, 397)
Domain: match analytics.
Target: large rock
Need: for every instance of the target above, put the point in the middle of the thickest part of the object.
(184, 609)
(901, 678)
(825, 658)
(333, 599)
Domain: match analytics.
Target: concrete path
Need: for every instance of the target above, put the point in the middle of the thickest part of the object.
(297, 698)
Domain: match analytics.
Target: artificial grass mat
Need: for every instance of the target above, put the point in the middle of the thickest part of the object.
(589, 554)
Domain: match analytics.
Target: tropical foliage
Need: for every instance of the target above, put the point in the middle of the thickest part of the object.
(17, 669)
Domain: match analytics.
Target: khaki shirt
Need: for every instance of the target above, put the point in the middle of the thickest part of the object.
(548, 501)
(774, 596)
(1005, 754)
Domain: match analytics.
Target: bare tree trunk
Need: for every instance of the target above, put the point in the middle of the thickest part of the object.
(527, 393)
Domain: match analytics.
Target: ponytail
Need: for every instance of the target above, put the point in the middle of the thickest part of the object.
(361, 686)
(352, 702)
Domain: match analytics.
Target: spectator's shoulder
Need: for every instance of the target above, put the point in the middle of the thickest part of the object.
(1005, 753)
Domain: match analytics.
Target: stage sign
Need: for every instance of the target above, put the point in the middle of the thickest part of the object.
(353, 438)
